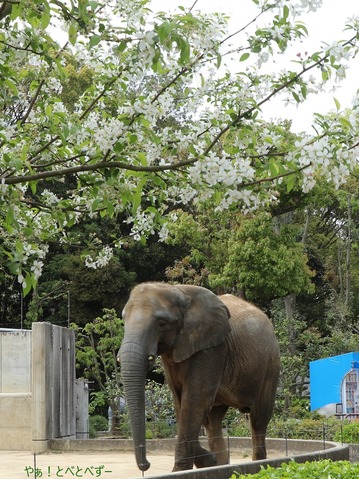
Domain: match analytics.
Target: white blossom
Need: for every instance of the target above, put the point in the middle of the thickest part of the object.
(102, 259)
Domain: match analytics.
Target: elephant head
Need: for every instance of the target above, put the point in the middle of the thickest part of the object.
(161, 318)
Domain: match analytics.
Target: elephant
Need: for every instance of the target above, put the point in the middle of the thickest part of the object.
(217, 352)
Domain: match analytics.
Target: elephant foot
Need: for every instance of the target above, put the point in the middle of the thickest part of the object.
(182, 466)
(205, 458)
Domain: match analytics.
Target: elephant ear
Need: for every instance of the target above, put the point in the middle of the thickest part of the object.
(205, 322)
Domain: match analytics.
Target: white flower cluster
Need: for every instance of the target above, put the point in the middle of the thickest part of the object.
(143, 224)
(52, 86)
(107, 134)
(244, 196)
(300, 6)
(102, 259)
(146, 47)
(49, 198)
(130, 13)
(222, 171)
(214, 28)
(334, 164)
(32, 255)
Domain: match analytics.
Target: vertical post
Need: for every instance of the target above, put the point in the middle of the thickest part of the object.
(142, 458)
(286, 441)
(324, 432)
(21, 310)
(68, 309)
(41, 390)
(228, 446)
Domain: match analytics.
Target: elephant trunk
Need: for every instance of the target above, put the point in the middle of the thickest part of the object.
(133, 370)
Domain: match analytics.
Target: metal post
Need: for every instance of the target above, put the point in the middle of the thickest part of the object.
(228, 446)
(68, 309)
(142, 447)
(21, 309)
(286, 441)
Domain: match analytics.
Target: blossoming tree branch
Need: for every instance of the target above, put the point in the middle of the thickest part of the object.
(170, 114)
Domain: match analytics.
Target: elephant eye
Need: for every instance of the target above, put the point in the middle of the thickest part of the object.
(165, 321)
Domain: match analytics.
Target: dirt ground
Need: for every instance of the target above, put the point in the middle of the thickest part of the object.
(71, 465)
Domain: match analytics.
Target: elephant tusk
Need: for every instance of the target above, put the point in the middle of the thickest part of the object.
(151, 358)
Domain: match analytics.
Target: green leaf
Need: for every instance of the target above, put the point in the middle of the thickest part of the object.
(143, 158)
(185, 51)
(94, 40)
(33, 186)
(10, 219)
(345, 123)
(72, 34)
(325, 74)
(164, 30)
(290, 183)
(16, 9)
(11, 85)
(137, 196)
(296, 96)
(46, 16)
(304, 91)
(30, 282)
(337, 103)
(244, 57)
(274, 168)
(285, 12)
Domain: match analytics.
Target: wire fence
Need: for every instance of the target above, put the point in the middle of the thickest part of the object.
(309, 429)
(323, 432)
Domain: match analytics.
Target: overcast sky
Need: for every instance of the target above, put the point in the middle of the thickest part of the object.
(325, 25)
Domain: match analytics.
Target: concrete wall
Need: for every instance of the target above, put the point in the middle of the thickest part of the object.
(15, 390)
(15, 361)
(15, 421)
(38, 388)
(53, 384)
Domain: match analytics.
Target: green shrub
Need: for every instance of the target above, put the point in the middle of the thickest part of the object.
(159, 430)
(349, 433)
(310, 470)
(310, 429)
(97, 423)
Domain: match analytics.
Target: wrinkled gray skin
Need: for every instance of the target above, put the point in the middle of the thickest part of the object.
(217, 352)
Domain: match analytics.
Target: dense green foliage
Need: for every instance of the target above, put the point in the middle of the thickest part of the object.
(310, 470)
(349, 433)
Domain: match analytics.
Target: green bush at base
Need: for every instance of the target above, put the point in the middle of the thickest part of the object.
(97, 423)
(349, 433)
(326, 469)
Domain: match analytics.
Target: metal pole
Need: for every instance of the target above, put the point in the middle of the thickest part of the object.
(286, 441)
(228, 445)
(142, 458)
(68, 309)
(21, 309)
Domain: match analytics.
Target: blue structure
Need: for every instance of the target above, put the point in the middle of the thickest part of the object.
(326, 377)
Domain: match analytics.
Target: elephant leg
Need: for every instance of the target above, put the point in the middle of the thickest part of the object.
(217, 444)
(260, 416)
(258, 439)
(188, 449)
(196, 399)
